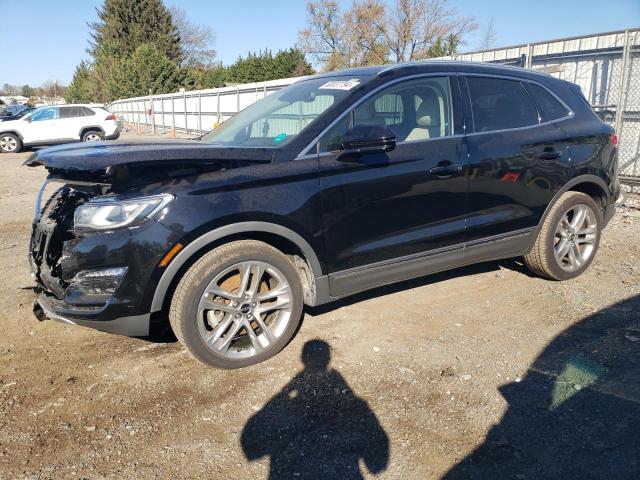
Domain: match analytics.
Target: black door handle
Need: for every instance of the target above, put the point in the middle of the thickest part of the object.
(445, 169)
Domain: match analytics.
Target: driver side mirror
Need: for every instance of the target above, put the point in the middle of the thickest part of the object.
(363, 139)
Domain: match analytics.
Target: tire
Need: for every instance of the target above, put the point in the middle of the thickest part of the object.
(203, 308)
(557, 242)
(92, 136)
(10, 143)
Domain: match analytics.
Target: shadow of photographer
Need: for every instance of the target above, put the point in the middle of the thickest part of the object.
(316, 426)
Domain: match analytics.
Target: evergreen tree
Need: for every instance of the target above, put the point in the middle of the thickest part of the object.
(149, 70)
(27, 91)
(124, 25)
(80, 90)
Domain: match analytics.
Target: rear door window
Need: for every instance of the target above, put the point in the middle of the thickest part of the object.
(69, 112)
(500, 104)
(549, 106)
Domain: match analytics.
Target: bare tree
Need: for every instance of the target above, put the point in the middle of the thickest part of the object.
(323, 39)
(371, 32)
(489, 36)
(196, 40)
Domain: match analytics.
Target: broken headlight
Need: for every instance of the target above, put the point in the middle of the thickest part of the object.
(107, 214)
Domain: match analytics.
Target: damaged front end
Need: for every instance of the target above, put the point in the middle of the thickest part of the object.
(66, 291)
(97, 243)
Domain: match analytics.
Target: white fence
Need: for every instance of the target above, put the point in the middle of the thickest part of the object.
(606, 66)
(195, 111)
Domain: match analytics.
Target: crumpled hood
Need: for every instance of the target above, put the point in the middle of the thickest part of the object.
(99, 156)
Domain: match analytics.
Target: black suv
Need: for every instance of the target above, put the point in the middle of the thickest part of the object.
(339, 183)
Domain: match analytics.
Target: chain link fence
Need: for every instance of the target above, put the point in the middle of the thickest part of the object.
(606, 66)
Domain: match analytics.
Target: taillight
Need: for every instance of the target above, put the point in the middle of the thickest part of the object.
(110, 117)
(613, 139)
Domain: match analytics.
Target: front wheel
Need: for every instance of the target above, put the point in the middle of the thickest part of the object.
(238, 305)
(568, 239)
(10, 143)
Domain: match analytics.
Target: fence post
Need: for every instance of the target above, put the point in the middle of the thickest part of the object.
(199, 112)
(529, 59)
(173, 116)
(152, 113)
(164, 128)
(237, 99)
(622, 91)
(184, 97)
(218, 119)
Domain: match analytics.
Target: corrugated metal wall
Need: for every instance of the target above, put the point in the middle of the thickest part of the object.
(606, 66)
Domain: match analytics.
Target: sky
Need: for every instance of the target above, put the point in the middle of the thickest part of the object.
(51, 36)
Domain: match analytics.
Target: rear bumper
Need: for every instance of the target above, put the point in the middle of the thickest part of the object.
(46, 307)
(114, 136)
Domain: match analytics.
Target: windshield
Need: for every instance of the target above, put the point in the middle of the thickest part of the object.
(278, 118)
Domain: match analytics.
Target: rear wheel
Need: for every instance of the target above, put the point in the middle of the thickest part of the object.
(569, 238)
(10, 143)
(92, 136)
(238, 305)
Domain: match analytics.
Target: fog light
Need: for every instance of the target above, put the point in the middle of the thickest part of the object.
(94, 287)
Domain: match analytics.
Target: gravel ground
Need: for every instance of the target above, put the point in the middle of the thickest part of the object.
(483, 372)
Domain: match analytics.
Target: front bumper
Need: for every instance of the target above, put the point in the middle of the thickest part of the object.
(46, 306)
(58, 255)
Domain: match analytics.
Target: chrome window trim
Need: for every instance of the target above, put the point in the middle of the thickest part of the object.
(305, 152)
(571, 113)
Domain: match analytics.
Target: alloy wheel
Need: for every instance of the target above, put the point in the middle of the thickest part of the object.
(8, 144)
(244, 309)
(575, 237)
(92, 137)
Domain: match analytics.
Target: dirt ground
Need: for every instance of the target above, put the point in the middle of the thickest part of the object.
(483, 372)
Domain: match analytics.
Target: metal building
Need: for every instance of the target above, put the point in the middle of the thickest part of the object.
(605, 65)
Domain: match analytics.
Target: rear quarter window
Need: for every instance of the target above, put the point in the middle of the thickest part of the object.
(500, 104)
(550, 107)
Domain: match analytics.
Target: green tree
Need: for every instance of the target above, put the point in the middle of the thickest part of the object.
(124, 25)
(291, 63)
(81, 88)
(148, 70)
(27, 91)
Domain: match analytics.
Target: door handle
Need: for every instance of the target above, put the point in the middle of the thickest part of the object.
(446, 169)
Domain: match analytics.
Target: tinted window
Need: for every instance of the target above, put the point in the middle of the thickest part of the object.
(549, 106)
(414, 110)
(86, 112)
(69, 112)
(500, 104)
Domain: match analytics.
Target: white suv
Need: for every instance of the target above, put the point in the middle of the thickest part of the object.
(58, 124)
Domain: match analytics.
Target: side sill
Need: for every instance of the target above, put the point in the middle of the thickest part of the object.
(510, 245)
(349, 282)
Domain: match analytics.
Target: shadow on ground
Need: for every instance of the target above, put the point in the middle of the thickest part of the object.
(576, 413)
(316, 426)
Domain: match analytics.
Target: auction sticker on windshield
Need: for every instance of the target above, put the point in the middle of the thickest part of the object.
(340, 84)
